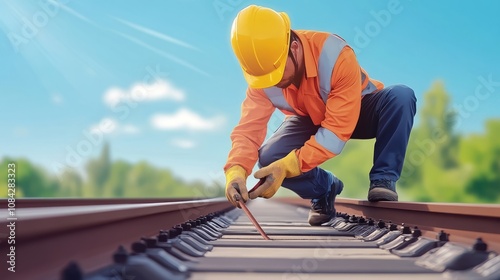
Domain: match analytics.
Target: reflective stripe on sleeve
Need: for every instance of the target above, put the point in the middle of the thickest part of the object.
(329, 140)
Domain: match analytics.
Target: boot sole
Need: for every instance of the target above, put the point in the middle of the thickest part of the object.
(382, 194)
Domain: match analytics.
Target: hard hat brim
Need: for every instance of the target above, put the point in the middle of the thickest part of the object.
(268, 80)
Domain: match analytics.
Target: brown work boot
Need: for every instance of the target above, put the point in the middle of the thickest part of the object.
(382, 190)
(323, 209)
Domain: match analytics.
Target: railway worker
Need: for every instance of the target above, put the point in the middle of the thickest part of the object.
(315, 80)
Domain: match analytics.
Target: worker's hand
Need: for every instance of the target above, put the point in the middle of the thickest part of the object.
(236, 187)
(274, 174)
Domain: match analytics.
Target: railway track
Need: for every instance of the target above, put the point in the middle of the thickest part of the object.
(208, 239)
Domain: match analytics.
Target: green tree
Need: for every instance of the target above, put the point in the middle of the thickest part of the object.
(31, 180)
(481, 155)
(123, 180)
(433, 141)
(117, 181)
(141, 181)
(437, 121)
(71, 184)
(98, 171)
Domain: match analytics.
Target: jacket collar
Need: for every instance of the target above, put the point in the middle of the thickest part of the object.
(310, 63)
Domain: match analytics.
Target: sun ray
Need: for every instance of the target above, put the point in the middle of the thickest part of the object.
(154, 33)
(160, 52)
(74, 13)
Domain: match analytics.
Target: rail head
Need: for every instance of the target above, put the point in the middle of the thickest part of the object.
(464, 222)
(40, 221)
(484, 210)
(30, 202)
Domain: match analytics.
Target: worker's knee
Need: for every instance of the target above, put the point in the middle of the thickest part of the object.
(402, 95)
(269, 153)
(264, 156)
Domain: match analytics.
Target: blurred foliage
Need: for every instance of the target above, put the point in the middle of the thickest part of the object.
(441, 165)
(103, 178)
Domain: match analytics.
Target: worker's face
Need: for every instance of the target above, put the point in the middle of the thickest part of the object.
(290, 73)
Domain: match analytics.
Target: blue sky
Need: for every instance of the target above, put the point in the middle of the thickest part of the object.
(159, 82)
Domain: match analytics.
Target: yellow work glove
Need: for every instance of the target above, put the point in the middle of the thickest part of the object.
(274, 174)
(236, 187)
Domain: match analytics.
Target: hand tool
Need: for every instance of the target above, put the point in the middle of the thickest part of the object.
(260, 182)
(250, 216)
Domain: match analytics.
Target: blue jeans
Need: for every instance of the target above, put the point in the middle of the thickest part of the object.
(386, 115)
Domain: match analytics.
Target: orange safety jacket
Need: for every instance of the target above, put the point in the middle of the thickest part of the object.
(330, 94)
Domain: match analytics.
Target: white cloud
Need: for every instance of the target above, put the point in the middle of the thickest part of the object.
(109, 126)
(187, 120)
(56, 99)
(183, 143)
(129, 129)
(105, 126)
(140, 92)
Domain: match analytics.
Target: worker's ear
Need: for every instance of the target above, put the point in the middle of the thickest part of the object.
(294, 47)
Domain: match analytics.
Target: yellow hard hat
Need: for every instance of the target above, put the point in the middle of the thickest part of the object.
(260, 38)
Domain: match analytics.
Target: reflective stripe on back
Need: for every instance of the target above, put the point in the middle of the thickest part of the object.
(329, 140)
(327, 59)
(329, 53)
(275, 94)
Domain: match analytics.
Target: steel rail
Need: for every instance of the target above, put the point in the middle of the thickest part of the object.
(48, 238)
(52, 232)
(464, 222)
(48, 202)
